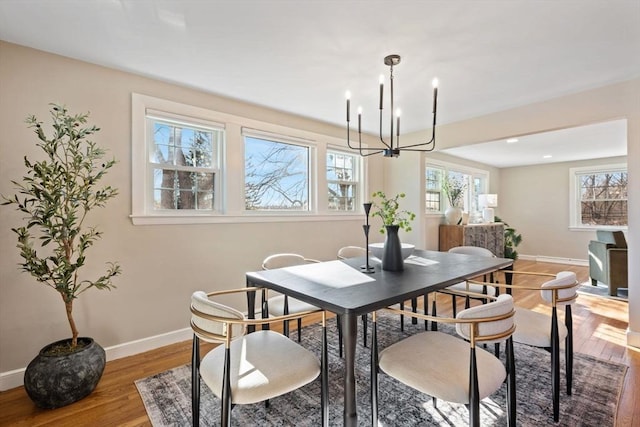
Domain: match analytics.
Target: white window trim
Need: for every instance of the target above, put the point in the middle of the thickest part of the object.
(232, 167)
(574, 193)
(452, 167)
(359, 177)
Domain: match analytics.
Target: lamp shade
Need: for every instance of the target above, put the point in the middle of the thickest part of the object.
(487, 200)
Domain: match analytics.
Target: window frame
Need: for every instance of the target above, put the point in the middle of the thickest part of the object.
(231, 207)
(575, 199)
(470, 199)
(312, 160)
(152, 117)
(357, 178)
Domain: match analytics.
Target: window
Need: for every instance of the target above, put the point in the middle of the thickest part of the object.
(276, 174)
(192, 165)
(433, 195)
(475, 180)
(599, 196)
(183, 159)
(342, 181)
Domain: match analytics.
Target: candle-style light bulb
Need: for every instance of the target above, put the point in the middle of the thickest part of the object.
(348, 96)
(435, 94)
(381, 79)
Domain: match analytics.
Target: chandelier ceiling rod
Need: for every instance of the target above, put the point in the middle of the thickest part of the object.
(391, 148)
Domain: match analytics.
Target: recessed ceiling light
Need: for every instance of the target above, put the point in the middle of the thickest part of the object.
(547, 156)
(512, 140)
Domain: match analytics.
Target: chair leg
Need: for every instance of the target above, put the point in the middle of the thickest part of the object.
(511, 384)
(299, 330)
(374, 372)
(402, 317)
(434, 325)
(324, 372)
(414, 308)
(339, 325)
(568, 321)
(364, 329)
(425, 307)
(454, 305)
(225, 412)
(555, 364)
(285, 324)
(195, 381)
(474, 391)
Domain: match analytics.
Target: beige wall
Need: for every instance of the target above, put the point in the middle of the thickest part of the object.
(535, 201)
(163, 265)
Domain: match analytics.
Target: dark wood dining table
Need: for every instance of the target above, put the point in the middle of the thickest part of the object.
(342, 288)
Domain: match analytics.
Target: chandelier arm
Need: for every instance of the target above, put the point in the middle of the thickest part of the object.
(360, 148)
(381, 138)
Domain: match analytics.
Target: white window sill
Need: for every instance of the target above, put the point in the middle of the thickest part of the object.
(238, 219)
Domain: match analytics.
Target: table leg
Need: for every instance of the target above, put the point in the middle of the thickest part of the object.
(349, 331)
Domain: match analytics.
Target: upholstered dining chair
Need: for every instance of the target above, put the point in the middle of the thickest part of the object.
(451, 368)
(248, 368)
(541, 330)
(280, 305)
(468, 287)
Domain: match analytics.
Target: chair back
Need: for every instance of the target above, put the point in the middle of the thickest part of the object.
(566, 294)
(282, 260)
(472, 250)
(489, 331)
(214, 330)
(351, 252)
(613, 237)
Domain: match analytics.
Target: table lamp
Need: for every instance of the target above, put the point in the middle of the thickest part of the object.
(487, 202)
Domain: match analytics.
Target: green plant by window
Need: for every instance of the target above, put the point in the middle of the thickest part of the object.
(511, 240)
(388, 209)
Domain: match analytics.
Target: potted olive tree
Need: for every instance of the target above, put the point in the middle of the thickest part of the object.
(55, 196)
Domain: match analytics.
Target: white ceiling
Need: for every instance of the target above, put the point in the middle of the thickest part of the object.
(301, 56)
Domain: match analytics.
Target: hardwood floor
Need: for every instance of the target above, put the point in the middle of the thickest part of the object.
(599, 327)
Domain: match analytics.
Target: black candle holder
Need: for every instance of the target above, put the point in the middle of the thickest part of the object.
(367, 268)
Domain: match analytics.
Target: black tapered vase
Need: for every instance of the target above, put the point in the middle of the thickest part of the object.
(392, 255)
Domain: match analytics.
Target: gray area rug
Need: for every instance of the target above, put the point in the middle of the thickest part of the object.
(597, 386)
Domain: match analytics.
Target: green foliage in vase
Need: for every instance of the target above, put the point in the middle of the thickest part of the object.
(454, 189)
(511, 240)
(389, 211)
(56, 194)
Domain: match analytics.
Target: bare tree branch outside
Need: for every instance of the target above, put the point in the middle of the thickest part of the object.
(603, 199)
(276, 175)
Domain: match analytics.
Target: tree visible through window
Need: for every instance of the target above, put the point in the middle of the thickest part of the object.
(603, 198)
(341, 181)
(184, 164)
(276, 175)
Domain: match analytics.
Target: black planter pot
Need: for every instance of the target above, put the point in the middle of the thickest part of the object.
(53, 381)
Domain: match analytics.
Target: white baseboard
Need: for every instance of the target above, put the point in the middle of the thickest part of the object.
(556, 260)
(15, 378)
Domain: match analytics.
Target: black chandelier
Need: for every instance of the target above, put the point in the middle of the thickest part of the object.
(391, 148)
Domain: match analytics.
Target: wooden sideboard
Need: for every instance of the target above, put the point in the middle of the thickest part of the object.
(489, 236)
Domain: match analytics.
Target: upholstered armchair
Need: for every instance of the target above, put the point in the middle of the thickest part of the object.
(608, 260)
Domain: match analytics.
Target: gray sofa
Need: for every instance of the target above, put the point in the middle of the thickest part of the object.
(608, 260)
